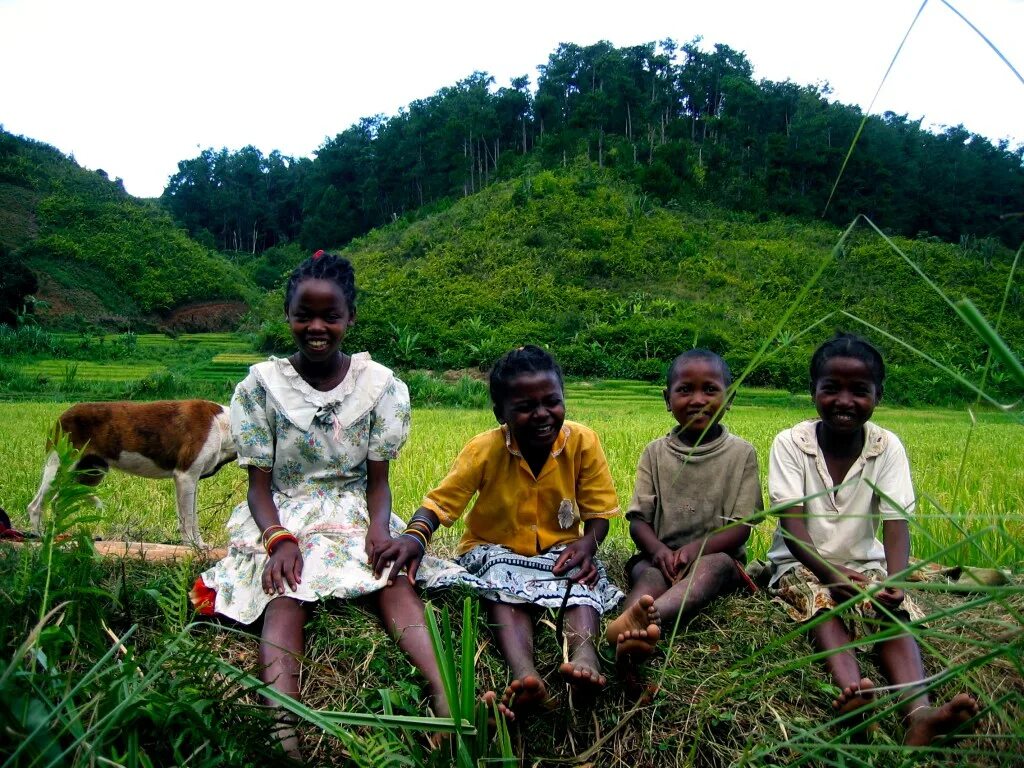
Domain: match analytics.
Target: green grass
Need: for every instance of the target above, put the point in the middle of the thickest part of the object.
(84, 370)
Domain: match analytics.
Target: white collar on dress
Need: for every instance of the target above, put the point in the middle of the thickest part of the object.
(347, 403)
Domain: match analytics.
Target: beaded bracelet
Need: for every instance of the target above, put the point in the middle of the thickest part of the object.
(277, 538)
(418, 534)
(270, 529)
(411, 536)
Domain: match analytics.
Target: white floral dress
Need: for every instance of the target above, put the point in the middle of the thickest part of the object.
(316, 445)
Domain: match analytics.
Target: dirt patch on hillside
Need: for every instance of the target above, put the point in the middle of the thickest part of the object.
(64, 303)
(205, 316)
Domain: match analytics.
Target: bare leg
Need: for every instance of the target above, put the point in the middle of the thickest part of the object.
(513, 631)
(900, 658)
(583, 670)
(281, 645)
(401, 612)
(856, 691)
(710, 576)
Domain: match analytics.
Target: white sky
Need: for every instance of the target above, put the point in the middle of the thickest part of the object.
(134, 86)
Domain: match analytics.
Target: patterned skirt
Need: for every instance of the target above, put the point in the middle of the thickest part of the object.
(331, 529)
(803, 597)
(499, 574)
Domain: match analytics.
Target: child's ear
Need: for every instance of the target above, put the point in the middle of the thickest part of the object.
(497, 414)
(664, 394)
(352, 317)
(878, 394)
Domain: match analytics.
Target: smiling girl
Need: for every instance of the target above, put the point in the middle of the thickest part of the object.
(545, 497)
(315, 432)
(833, 480)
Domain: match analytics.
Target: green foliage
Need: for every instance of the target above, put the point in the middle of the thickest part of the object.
(90, 237)
(616, 286)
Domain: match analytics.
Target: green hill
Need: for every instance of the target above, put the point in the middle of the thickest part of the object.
(101, 256)
(617, 285)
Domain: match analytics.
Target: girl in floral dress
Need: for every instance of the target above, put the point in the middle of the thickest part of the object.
(315, 432)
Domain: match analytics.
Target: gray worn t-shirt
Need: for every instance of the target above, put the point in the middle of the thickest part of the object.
(685, 493)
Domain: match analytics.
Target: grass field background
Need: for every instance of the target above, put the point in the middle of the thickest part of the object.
(959, 492)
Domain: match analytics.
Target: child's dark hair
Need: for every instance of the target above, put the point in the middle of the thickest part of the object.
(699, 354)
(525, 359)
(848, 345)
(324, 266)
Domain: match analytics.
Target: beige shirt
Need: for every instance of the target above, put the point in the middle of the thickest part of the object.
(685, 493)
(842, 522)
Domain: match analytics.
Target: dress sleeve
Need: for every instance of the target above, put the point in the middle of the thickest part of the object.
(595, 491)
(251, 425)
(785, 471)
(389, 422)
(749, 499)
(448, 500)
(645, 494)
(895, 489)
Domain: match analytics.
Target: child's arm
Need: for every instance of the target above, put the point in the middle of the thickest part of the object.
(378, 505)
(841, 581)
(896, 540)
(580, 553)
(285, 562)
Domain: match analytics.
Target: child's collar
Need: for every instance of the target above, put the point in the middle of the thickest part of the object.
(806, 438)
(556, 448)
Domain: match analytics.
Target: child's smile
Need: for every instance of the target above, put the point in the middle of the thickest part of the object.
(319, 318)
(696, 397)
(845, 394)
(534, 411)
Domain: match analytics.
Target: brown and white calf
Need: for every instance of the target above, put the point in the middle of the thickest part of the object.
(183, 439)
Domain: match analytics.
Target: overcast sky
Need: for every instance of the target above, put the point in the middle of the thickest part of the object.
(134, 86)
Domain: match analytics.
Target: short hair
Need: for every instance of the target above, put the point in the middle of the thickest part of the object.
(526, 359)
(848, 345)
(324, 266)
(699, 353)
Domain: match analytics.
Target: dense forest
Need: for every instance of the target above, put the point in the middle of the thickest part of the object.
(683, 123)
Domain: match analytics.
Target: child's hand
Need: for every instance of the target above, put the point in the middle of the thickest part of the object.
(402, 552)
(377, 539)
(579, 554)
(847, 583)
(890, 597)
(665, 560)
(284, 566)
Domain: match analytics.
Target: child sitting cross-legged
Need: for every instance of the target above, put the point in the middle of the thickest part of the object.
(693, 487)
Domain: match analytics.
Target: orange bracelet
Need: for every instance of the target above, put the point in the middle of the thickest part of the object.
(278, 537)
(270, 529)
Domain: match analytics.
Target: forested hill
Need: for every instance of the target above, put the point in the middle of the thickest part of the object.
(97, 255)
(683, 123)
(617, 285)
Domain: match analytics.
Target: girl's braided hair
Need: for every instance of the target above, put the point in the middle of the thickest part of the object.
(848, 345)
(324, 266)
(525, 359)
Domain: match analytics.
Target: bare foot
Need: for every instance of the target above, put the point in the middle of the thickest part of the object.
(854, 697)
(926, 724)
(634, 646)
(632, 649)
(641, 615)
(520, 697)
(583, 673)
